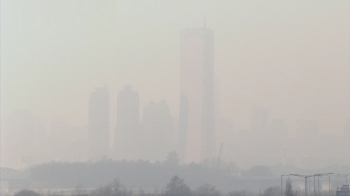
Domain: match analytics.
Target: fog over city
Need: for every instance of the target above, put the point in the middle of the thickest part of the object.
(198, 89)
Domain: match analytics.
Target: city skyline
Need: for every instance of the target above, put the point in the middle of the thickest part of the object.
(279, 66)
(291, 76)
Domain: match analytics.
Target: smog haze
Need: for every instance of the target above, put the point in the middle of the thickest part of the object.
(280, 70)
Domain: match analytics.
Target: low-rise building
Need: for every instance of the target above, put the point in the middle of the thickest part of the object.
(344, 190)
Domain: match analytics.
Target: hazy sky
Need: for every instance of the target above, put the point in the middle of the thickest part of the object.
(292, 57)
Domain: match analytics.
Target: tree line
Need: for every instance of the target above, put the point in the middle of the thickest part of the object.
(133, 173)
(176, 187)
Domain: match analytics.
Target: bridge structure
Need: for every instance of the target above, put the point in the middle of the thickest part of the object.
(12, 179)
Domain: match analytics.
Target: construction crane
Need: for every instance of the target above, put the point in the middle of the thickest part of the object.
(219, 155)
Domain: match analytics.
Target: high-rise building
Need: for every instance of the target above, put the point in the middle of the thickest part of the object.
(157, 131)
(346, 133)
(197, 115)
(279, 129)
(259, 121)
(69, 142)
(21, 139)
(307, 129)
(99, 123)
(126, 135)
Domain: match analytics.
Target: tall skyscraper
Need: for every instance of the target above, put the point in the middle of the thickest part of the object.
(126, 135)
(157, 131)
(99, 123)
(197, 116)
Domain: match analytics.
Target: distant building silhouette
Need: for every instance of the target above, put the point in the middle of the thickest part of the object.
(157, 130)
(126, 144)
(197, 115)
(259, 121)
(307, 129)
(346, 133)
(68, 142)
(260, 150)
(21, 139)
(279, 129)
(342, 191)
(183, 126)
(307, 144)
(99, 123)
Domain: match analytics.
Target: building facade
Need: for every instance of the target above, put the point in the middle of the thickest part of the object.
(259, 121)
(99, 124)
(126, 144)
(197, 115)
(342, 191)
(157, 130)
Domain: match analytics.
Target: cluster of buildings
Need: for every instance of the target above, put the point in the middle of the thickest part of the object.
(305, 143)
(192, 135)
(134, 138)
(195, 134)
